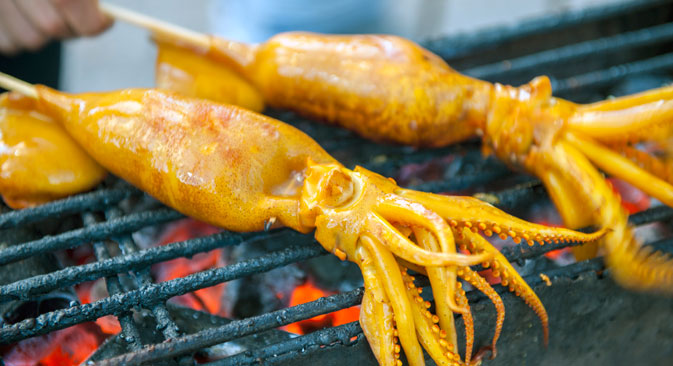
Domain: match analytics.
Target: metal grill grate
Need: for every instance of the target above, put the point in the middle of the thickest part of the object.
(116, 226)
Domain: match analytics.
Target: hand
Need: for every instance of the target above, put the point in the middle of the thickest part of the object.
(29, 24)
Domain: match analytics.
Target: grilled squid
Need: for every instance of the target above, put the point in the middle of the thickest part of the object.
(240, 170)
(39, 161)
(387, 88)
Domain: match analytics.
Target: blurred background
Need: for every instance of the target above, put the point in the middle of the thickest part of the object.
(124, 55)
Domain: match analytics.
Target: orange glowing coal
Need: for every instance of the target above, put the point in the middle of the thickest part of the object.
(308, 292)
(208, 299)
(93, 291)
(633, 199)
(70, 346)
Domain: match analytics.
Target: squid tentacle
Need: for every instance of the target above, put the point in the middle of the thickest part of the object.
(639, 267)
(410, 229)
(621, 167)
(509, 276)
(482, 285)
(399, 244)
(376, 314)
(633, 100)
(431, 335)
(415, 214)
(631, 264)
(476, 215)
(660, 167)
(468, 321)
(393, 284)
(443, 281)
(644, 116)
(628, 124)
(448, 332)
(439, 292)
(468, 330)
(630, 118)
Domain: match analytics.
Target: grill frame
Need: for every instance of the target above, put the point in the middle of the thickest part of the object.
(117, 226)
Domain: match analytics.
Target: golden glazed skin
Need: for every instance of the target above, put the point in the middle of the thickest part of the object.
(39, 161)
(237, 169)
(194, 75)
(388, 88)
(361, 82)
(369, 89)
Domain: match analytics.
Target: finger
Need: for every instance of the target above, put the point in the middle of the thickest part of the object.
(7, 47)
(45, 17)
(83, 16)
(22, 33)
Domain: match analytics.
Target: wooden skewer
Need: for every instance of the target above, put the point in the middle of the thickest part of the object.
(11, 83)
(240, 54)
(155, 25)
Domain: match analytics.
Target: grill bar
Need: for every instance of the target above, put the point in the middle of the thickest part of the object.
(32, 286)
(133, 260)
(341, 334)
(519, 194)
(76, 204)
(156, 293)
(164, 321)
(239, 328)
(95, 232)
(465, 44)
(463, 181)
(613, 74)
(129, 330)
(620, 42)
(152, 294)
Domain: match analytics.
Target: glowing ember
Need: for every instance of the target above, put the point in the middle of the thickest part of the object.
(70, 346)
(309, 292)
(558, 253)
(633, 199)
(93, 291)
(210, 299)
(488, 275)
(207, 299)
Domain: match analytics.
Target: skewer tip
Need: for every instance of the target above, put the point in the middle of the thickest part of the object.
(11, 83)
(156, 26)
